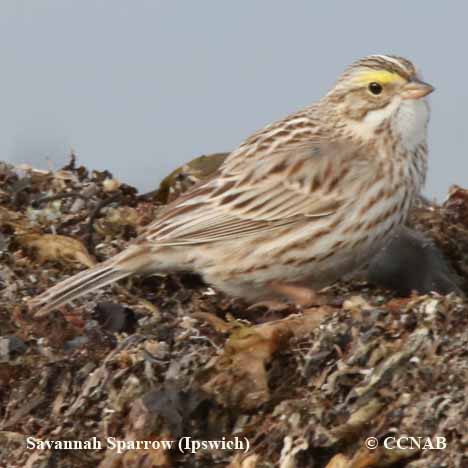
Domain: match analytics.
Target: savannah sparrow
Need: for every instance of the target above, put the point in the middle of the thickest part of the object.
(304, 201)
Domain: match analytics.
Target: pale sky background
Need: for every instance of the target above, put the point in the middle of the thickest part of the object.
(140, 86)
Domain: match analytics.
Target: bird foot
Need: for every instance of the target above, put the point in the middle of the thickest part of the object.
(298, 295)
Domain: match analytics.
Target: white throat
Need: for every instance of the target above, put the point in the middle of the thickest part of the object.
(408, 119)
(410, 122)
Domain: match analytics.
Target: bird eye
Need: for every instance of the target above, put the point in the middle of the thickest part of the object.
(375, 88)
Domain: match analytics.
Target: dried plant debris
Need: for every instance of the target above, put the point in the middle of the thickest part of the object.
(159, 360)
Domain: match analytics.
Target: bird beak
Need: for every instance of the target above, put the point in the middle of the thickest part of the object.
(416, 89)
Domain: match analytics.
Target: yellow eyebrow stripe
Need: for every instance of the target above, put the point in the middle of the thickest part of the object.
(382, 77)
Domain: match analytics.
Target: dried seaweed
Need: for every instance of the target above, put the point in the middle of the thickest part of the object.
(166, 357)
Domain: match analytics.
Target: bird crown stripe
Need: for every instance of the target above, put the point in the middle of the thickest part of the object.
(398, 61)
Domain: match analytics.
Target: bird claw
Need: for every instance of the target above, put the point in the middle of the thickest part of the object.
(271, 306)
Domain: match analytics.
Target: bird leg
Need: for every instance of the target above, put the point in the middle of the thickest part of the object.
(271, 305)
(299, 295)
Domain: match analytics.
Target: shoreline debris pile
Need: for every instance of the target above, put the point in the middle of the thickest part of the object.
(166, 357)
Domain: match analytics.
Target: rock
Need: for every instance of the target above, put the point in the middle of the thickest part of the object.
(10, 347)
(412, 262)
(115, 318)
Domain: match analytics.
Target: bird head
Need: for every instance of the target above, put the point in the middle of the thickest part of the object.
(379, 90)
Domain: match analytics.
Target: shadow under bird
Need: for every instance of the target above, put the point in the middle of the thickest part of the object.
(303, 202)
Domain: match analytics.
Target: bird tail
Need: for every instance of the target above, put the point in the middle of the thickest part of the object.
(84, 282)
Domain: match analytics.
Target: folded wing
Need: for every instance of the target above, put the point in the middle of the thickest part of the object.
(260, 193)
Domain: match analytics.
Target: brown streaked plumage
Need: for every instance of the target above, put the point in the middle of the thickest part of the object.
(307, 200)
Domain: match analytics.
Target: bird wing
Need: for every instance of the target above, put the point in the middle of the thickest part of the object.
(256, 192)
